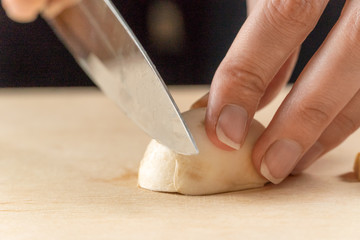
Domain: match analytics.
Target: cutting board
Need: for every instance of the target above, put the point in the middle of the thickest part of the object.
(68, 169)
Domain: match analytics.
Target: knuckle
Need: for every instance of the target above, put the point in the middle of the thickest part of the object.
(301, 13)
(248, 83)
(314, 115)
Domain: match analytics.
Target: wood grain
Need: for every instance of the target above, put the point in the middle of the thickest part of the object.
(68, 168)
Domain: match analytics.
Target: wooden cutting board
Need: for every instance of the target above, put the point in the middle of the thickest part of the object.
(68, 168)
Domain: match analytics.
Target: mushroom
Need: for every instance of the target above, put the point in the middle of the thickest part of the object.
(212, 171)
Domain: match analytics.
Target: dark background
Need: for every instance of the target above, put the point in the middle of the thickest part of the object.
(31, 55)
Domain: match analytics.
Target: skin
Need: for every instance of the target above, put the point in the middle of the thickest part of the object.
(321, 110)
(23, 10)
(28, 10)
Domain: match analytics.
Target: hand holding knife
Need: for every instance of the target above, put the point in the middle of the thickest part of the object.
(105, 47)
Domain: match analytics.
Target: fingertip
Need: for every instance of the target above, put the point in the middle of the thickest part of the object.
(21, 18)
(280, 159)
(210, 127)
(257, 153)
(227, 130)
(309, 158)
(23, 11)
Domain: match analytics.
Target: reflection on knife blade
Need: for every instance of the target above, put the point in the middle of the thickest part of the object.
(103, 44)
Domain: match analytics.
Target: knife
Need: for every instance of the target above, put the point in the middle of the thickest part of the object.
(104, 46)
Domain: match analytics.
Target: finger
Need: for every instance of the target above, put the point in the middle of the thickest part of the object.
(277, 83)
(280, 79)
(202, 102)
(267, 39)
(325, 87)
(250, 5)
(345, 123)
(23, 10)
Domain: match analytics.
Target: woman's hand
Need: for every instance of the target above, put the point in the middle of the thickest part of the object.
(23, 10)
(28, 10)
(321, 110)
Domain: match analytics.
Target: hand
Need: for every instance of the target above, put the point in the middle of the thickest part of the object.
(28, 10)
(321, 110)
(23, 10)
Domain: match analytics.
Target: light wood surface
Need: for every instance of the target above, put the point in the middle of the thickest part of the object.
(68, 163)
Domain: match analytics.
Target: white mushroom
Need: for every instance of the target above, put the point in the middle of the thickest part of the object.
(212, 171)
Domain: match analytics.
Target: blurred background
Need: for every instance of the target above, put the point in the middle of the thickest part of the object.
(185, 39)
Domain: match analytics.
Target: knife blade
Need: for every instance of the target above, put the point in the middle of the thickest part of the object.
(104, 46)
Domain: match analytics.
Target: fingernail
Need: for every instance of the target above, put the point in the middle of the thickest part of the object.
(310, 157)
(280, 159)
(230, 128)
